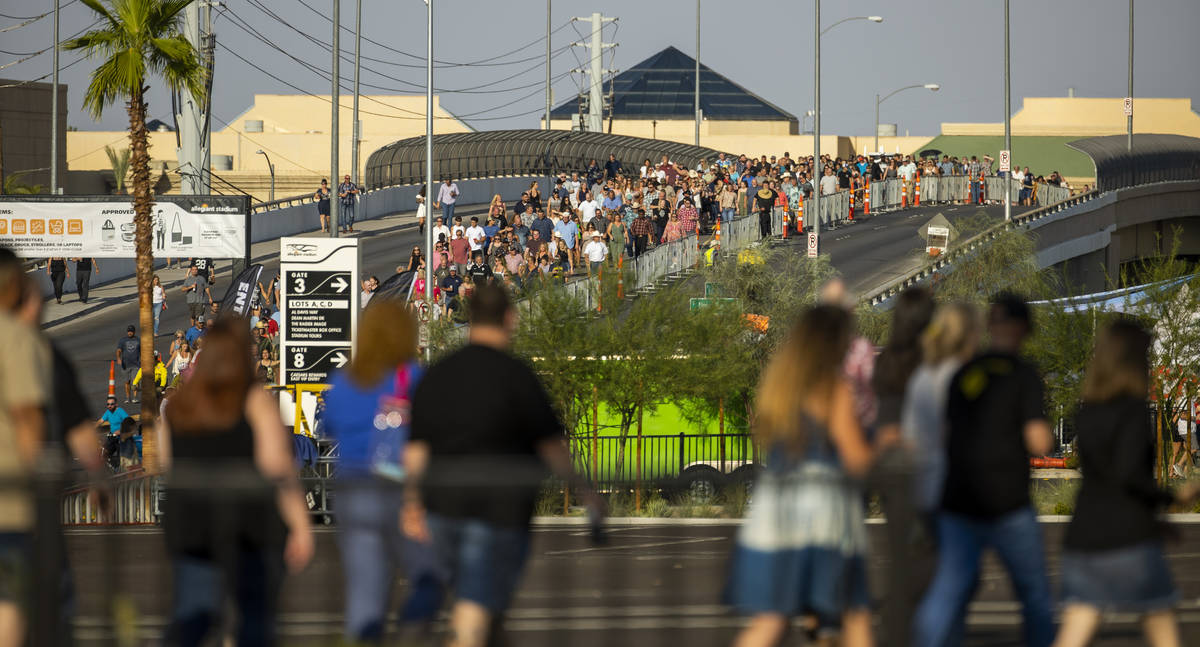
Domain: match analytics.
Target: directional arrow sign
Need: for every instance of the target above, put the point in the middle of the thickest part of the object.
(313, 364)
(339, 284)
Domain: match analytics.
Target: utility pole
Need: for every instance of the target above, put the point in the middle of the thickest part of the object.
(356, 127)
(548, 98)
(697, 88)
(818, 171)
(191, 117)
(54, 110)
(1129, 117)
(595, 71)
(1007, 121)
(335, 180)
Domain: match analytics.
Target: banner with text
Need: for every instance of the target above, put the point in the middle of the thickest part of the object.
(102, 227)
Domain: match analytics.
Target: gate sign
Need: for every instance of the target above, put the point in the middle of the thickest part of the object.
(1005, 161)
(319, 302)
(812, 244)
(1128, 106)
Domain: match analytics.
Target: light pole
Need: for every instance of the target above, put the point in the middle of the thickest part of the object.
(271, 168)
(818, 171)
(1129, 118)
(335, 205)
(932, 87)
(1007, 123)
(696, 90)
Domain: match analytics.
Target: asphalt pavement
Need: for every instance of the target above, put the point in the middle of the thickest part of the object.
(651, 584)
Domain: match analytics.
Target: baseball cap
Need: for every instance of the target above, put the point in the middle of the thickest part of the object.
(453, 268)
(130, 328)
(199, 320)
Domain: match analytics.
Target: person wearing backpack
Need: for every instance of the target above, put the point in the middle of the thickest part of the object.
(367, 410)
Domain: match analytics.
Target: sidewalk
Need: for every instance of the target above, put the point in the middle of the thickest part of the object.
(124, 291)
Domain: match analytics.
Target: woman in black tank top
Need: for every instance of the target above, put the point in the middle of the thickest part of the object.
(234, 506)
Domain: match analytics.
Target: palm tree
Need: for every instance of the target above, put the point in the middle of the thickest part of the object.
(119, 160)
(138, 39)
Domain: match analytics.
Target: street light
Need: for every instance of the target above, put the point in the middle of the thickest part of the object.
(818, 171)
(270, 167)
(871, 18)
(932, 87)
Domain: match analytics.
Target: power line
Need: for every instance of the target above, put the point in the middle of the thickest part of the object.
(29, 19)
(483, 62)
(244, 25)
(44, 76)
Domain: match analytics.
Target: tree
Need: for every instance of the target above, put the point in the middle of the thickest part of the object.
(14, 186)
(138, 39)
(119, 160)
(1007, 262)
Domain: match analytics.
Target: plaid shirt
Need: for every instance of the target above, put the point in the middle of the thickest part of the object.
(641, 226)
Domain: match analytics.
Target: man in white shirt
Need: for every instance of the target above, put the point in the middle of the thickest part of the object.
(447, 196)
(829, 183)
(908, 170)
(475, 236)
(440, 229)
(596, 252)
(457, 227)
(588, 208)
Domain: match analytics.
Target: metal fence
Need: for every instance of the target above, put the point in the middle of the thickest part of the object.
(666, 260)
(134, 502)
(887, 195)
(667, 462)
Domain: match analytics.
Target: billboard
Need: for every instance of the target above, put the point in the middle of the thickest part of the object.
(102, 226)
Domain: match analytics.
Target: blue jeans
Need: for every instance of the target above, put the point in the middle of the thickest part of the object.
(157, 316)
(448, 213)
(1017, 540)
(727, 214)
(346, 215)
(484, 561)
(254, 581)
(372, 546)
(976, 189)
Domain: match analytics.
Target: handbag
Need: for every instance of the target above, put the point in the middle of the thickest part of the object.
(392, 418)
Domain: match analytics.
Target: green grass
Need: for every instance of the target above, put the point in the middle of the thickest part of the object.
(1043, 155)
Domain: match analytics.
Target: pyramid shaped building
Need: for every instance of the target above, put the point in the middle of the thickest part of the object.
(655, 98)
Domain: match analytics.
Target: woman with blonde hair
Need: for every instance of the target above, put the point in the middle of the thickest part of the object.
(367, 410)
(802, 548)
(497, 209)
(1112, 559)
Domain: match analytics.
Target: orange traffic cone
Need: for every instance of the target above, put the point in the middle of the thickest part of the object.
(800, 216)
(112, 379)
(786, 223)
(903, 194)
(621, 268)
(852, 204)
(917, 191)
(866, 195)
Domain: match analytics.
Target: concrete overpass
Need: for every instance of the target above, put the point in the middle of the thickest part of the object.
(1145, 204)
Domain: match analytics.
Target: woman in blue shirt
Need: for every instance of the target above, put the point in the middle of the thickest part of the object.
(367, 410)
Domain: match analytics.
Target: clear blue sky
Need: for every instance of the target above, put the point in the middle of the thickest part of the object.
(766, 46)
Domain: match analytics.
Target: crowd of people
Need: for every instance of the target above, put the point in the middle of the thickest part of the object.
(943, 430)
(599, 217)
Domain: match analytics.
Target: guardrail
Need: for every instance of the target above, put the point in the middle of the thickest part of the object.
(134, 502)
(282, 203)
(970, 245)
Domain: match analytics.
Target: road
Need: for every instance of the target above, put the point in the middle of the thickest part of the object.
(90, 339)
(651, 585)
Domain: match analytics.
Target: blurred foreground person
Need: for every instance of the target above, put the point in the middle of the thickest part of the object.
(480, 467)
(368, 410)
(24, 396)
(996, 418)
(802, 548)
(1112, 559)
(234, 513)
(909, 558)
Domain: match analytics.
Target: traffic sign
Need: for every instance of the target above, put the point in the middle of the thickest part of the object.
(319, 302)
(1128, 106)
(812, 244)
(1005, 161)
(313, 364)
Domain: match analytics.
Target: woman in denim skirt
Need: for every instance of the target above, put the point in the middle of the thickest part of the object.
(1113, 550)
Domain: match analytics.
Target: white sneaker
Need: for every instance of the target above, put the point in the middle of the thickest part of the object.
(1177, 470)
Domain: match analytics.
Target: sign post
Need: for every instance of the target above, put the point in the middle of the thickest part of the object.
(1128, 106)
(318, 302)
(1005, 161)
(812, 244)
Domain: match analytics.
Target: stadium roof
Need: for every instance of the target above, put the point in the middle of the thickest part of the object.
(663, 87)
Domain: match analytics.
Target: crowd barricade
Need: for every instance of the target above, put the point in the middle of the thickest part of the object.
(742, 232)
(134, 502)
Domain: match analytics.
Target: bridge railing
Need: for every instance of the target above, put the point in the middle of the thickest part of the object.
(970, 245)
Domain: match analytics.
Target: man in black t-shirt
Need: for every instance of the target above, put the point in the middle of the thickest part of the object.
(995, 419)
(129, 359)
(479, 468)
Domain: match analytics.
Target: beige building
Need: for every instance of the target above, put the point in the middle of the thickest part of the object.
(1089, 117)
(292, 129)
